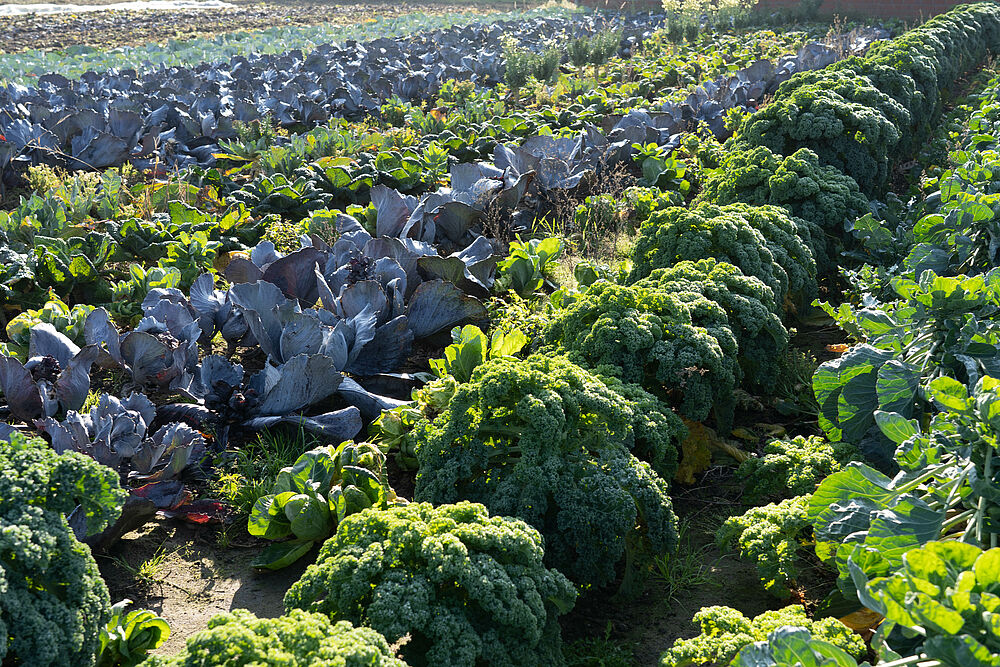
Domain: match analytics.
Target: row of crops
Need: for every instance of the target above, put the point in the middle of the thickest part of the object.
(251, 273)
(26, 66)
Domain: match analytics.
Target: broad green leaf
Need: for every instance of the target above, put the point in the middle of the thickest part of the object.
(314, 469)
(355, 500)
(897, 386)
(281, 555)
(949, 393)
(309, 517)
(509, 344)
(467, 352)
(792, 647)
(960, 650)
(267, 518)
(907, 524)
(987, 571)
(844, 503)
(896, 427)
(548, 249)
(846, 391)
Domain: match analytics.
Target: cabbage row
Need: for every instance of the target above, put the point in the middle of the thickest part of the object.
(178, 115)
(25, 67)
(100, 119)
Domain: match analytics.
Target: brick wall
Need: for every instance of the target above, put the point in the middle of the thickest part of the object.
(905, 9)
(626, 5)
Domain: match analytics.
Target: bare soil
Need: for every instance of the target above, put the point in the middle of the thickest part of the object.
(202, 571)
(112, 29)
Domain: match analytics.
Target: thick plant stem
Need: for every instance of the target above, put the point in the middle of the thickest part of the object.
(981, 508)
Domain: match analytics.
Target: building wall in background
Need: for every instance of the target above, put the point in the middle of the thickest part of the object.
(904, 9)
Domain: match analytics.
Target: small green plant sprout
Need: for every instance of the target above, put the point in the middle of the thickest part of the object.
(311, 498)
(66, 320)
(601, 651)
(128, 638)
(660, 169)
(251, 472)
(685, 570)
(524, 269)
(471, 348)
(128, 294)
(191, 254)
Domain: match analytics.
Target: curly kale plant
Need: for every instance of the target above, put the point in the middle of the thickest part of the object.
(793, 467)
(667, 342)
(724, 631)
(749, 305)
(841, 116)
(53, 602)
(303, 639)
(763, 241)
(821, 195)
(545, 441)
(468, 588)
(914, 67)
(657, 431)
(771, 536)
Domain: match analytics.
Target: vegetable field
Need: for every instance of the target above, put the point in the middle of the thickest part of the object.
(492, 335)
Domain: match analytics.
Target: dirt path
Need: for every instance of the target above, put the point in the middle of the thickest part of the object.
(702, 576)
(191, 574)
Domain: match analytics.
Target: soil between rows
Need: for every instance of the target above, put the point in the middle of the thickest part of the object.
(112, 29)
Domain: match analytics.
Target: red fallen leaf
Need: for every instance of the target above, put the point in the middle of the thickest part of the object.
(3, 138)
(190, 518)
(198, 512)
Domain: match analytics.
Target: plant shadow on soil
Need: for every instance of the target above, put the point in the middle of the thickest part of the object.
(649, 624)
(188, 574)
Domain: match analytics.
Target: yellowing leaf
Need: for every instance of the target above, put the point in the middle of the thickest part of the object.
(838, 348)
(773, 430)
(735, 452)
(697, 450)
(696, 454)
(222, 259)
(745, 434)
(861, 620)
